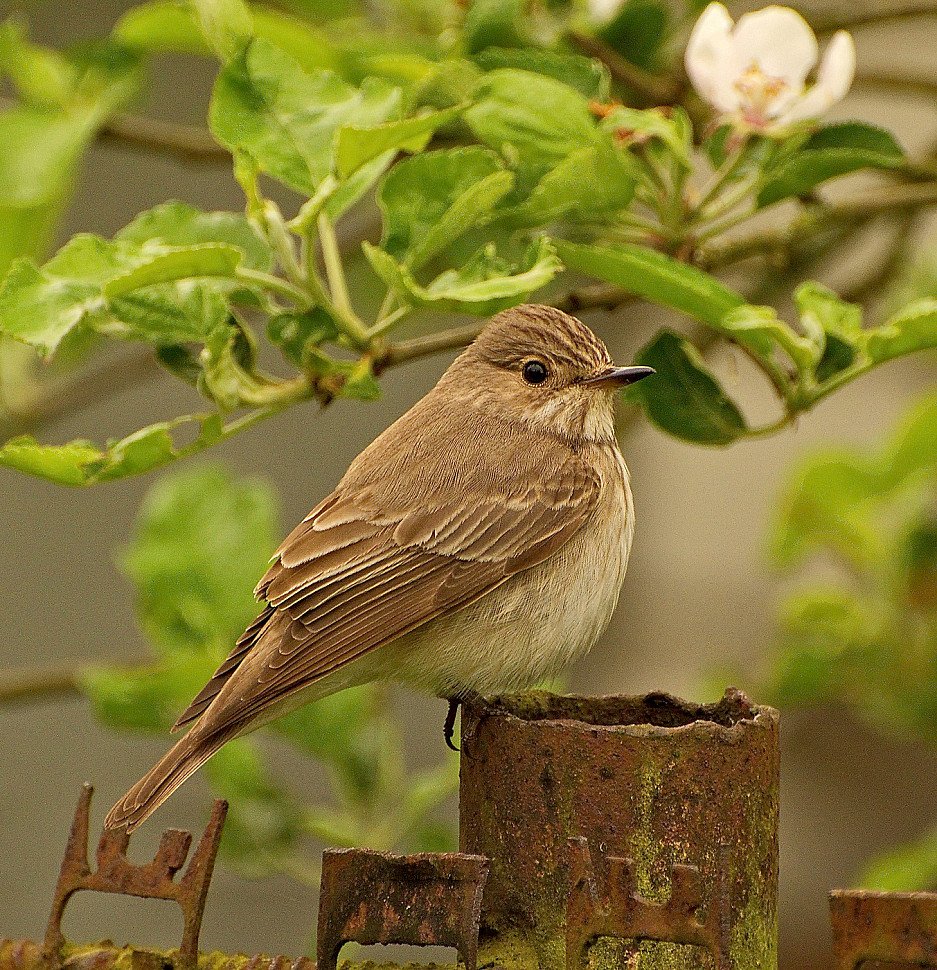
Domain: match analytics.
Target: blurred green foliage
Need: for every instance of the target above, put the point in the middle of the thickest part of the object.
(505, 162)
(867, 639)
(516, 151)
(200, 542)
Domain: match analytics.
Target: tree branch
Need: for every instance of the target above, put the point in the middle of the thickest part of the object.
(844, 16)
(83, 391)
(652, 87)
(39, 684)
(186, 143)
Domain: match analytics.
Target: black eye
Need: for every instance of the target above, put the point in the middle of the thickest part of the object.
(535, 372)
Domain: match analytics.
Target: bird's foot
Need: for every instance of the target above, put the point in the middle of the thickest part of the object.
(448, 728)
(455, 703)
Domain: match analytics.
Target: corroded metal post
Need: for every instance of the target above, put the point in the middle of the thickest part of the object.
(647, 819)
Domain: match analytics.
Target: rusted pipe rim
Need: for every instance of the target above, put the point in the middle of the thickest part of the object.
(648, 714)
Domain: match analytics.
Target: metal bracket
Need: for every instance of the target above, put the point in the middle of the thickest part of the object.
(429, 898)
(616, 909)
(153, 880)
(890, 927)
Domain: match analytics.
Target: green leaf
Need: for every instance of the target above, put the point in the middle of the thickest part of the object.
(587, 76)
(164, 315)
(684, 399)
(638, 31)
(330, 729)
(265, 106)
(177, 263)
(832, 151)
(909, 868)
(344, 378)
(484, 285)
(180, 224)
(264, 822)
(39, 154)
(827, 504)
(227, 25)
(634, 125)
(83, 463)
(145, 700)
(40, 306)
(296, 334)
(653, 276)
(430, 200)
(914, 328)
(201, 540)
(590, 183)
(759, 329)
(493, 23)
(170, 26)
(535, 120)
(63, 464)
(356, 145)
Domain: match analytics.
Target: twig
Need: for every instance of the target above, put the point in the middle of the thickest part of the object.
(652, 87)
(73, 396)
(185, 143)
(39, 684)
(434, 343)
(846, 17)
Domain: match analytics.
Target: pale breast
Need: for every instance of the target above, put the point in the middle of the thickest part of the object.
(538, 622)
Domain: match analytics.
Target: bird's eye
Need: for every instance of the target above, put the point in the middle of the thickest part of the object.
(535, 372)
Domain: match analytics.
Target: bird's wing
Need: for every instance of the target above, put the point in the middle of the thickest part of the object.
(364, 569)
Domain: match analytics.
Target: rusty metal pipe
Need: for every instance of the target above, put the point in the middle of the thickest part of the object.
(643, 825)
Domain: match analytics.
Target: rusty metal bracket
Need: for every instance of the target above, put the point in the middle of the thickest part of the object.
(886, 927)
(153, 880)
(429, 898)
(613, 907)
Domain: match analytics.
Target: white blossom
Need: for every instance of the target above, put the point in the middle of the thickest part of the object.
(754, 72)
(602, 11)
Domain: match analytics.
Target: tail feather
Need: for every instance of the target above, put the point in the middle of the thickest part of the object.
(181, 761)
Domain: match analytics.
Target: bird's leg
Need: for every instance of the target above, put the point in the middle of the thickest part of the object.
(455, 703)
(448, 728)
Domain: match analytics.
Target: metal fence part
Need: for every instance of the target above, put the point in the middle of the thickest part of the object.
(377, 897)
(897, 928)
(614, 908)
(153, 880)
(653, 779)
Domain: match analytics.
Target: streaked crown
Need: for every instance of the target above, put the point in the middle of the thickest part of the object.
(540, 331)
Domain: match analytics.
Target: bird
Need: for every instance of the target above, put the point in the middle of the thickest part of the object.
(476, 546)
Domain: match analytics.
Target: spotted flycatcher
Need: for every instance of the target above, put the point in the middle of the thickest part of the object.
(478, 545)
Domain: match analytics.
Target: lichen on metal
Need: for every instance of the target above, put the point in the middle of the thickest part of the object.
(114, 873)
(894, 928)
(654, 780)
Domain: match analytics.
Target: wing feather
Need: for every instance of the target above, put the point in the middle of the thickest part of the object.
(393, 548)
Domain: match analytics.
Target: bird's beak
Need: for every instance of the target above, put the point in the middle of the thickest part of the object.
(620, 376)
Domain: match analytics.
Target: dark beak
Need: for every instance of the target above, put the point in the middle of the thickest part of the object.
(621, 376)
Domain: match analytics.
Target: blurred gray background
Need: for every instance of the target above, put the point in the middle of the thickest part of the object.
(698, 596)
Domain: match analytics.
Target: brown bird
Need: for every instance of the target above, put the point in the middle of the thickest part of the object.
(477, 545)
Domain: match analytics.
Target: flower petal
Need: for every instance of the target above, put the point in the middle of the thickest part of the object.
(602, 11)
(779, 42)
(707, 56)
(834, 79)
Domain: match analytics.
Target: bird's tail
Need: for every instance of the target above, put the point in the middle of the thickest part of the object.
(182, 760)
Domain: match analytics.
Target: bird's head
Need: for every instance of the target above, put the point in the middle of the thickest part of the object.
(539, 365)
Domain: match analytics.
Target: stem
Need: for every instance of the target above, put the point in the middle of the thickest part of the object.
(434, 343)
(275, 284)
(185, 143)
(38, 684)
(71, 397)
(653, 88)
(340, 304)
